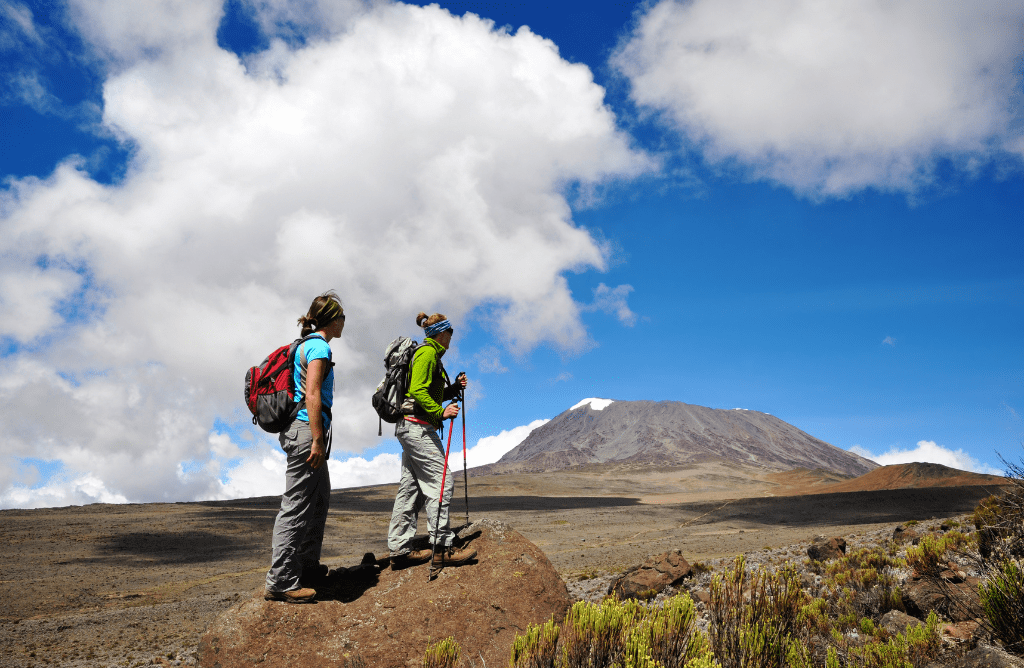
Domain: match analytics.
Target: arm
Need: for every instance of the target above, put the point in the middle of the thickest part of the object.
(315, 373)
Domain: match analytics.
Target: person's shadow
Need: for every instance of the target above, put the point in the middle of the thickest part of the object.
(346, 584)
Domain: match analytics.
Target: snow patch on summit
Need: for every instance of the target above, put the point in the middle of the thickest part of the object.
(595, 404)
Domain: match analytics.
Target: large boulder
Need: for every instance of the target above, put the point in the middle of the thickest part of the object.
(823, 548)
(983, 656)
(388, 617)
(896, 622)
(652, 576)
(902, 534)
(954, 598)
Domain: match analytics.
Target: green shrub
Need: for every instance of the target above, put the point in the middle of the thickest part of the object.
(592, 634)
(537, 648)
(754, 633)
(916, 647)
(442, 654)
(929, 556)
(865, 570)
(671, 635)
(627, 634)
(1002, 599)
(1000, 522)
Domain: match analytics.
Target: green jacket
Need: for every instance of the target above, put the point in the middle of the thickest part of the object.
(427, 380)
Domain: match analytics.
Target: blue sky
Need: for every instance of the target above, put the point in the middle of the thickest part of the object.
(808, 211)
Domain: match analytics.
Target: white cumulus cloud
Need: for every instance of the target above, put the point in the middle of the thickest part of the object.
(931, 452)
(830, 98)
(491, 448)
(614, 302)
(410, 145)
(60, 491)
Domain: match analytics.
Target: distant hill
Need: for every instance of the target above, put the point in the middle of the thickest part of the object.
(599, 431)
(917, 475)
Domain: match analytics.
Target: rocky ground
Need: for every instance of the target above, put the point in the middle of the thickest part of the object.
(966, 643)
(136, 585)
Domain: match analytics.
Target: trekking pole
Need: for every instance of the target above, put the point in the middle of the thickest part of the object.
(465, 470)
(440, 501)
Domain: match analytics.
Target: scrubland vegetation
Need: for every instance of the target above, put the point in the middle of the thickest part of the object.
(830, 614)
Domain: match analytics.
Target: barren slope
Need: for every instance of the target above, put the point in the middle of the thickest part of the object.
(915, 475)
(673, 433)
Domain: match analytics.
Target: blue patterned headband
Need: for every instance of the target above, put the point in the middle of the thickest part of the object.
(437, 328)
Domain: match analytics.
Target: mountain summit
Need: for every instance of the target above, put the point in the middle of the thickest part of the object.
(602, 431)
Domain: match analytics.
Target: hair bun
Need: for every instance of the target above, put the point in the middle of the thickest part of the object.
(421, 317)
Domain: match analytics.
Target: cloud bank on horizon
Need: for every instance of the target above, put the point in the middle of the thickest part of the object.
(931, 452)
(127, 309)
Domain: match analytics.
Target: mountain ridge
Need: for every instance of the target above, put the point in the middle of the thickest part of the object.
(673, 433)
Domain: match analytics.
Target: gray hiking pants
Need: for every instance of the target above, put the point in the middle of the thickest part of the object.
(419, 487)
(299, 528)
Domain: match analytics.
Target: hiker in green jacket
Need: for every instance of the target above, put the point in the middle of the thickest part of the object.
(423, 453)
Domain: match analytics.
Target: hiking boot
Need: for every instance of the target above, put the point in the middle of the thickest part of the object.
(410, 558)
(305, 595)
(449, 556)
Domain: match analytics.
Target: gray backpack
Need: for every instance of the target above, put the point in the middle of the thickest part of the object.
(390, 393)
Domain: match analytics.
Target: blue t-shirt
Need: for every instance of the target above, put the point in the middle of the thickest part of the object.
(314, 349)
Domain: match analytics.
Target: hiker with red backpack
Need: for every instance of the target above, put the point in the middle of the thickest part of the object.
(295, 568)
(423, 454)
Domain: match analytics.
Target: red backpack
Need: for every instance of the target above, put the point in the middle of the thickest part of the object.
(270, 389)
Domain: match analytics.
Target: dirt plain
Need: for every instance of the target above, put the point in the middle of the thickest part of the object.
(132, 585)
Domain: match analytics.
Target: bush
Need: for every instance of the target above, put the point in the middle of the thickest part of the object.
(871, 572)
(757, 633)
(914, 648)
(537, 648)
(593, 634)
(1002, 599)
(929, 556)
(670, 635)
(442, 654)
(1000, 524)
(628, 634)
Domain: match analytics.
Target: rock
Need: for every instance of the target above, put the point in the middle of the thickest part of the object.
(700, 596)
(922, 595)
(954, 576)
(652, 576)
(960, 631)
(823, 549)
(901, 535)
(983, 656)
(388, 617)
(957, 601)
(896, 622)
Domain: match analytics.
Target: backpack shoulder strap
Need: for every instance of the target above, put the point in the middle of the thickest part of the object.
(300, 345)
(304, 365)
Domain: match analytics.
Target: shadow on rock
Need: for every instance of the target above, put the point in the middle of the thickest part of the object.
(348, 584)
(387, 618)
